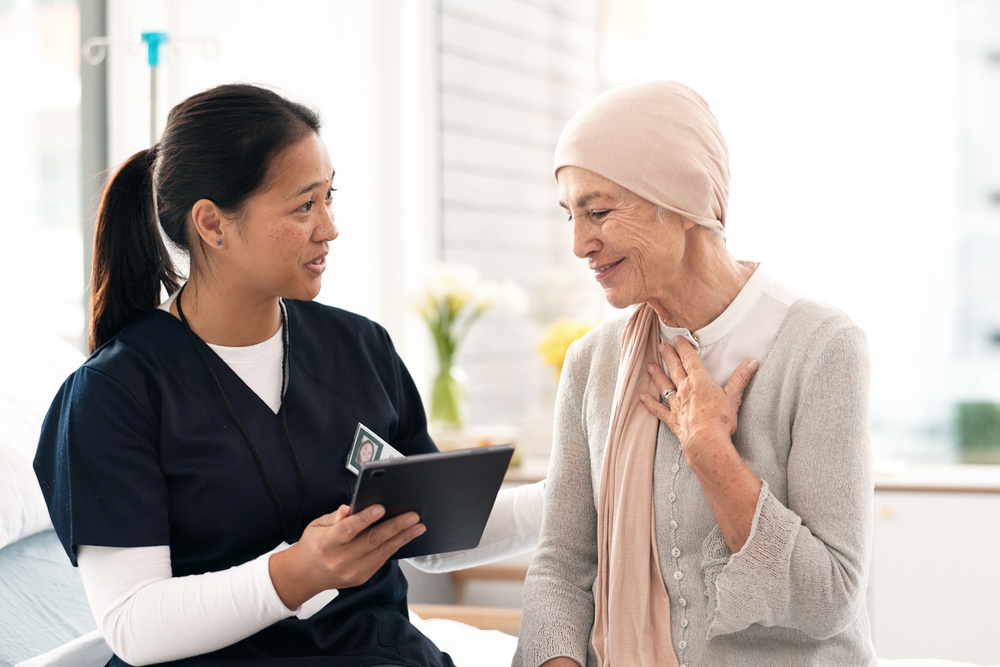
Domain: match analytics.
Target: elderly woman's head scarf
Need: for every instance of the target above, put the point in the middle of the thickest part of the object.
(657, 139)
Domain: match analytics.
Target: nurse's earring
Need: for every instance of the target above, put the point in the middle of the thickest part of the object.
(219, 243)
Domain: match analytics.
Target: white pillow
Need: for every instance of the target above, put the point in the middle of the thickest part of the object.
(33, 364)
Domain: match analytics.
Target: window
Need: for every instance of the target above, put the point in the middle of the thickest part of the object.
(865, 151)
(41, 247)
(511, 76)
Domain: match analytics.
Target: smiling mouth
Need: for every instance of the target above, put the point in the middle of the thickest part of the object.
(605, 269)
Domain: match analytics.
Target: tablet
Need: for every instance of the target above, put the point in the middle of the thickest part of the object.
(453, 492)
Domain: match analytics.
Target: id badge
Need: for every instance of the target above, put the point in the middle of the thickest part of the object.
(368, 447)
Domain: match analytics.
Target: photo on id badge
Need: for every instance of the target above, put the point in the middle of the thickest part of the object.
(367, 447)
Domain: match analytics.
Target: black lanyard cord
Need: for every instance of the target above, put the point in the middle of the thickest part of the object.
(290, 536)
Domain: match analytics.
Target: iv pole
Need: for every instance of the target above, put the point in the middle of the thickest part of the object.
(153, 41)
(95, 50)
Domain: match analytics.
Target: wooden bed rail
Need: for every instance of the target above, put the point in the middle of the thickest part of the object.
(504, 619)
(460, 578)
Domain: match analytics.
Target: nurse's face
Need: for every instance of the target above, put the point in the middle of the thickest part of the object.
(279, 242)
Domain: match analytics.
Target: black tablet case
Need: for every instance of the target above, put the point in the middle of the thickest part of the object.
(453, 492)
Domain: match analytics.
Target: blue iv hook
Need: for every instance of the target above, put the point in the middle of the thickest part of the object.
(153, 41)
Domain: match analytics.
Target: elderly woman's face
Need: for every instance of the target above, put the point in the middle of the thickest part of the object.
(634, 253)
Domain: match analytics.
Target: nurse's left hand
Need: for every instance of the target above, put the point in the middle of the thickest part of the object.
(339, 550)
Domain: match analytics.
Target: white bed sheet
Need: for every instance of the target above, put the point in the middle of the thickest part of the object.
(467, 645)
(90, 650)
(42, 603)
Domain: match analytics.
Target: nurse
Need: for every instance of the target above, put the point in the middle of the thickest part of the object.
(207, 433)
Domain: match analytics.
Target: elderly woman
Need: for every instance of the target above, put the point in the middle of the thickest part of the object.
(709, 498)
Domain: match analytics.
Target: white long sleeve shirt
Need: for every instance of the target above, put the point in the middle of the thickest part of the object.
(148, 616)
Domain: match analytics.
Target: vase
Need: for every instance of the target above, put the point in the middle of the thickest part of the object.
(447, 398)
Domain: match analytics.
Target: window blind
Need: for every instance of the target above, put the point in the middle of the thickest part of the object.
(511, 73)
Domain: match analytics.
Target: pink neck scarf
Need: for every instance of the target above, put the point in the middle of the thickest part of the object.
(632, 610)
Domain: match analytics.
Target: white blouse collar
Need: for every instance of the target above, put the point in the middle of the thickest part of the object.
(730, 318)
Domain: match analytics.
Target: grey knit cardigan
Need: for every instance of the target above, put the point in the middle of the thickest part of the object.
(795, 593)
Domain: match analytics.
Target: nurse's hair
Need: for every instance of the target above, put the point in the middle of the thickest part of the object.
(217, 145)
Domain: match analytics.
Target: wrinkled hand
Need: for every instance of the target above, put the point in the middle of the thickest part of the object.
(560, 662)
(339, 550)
(700, 412)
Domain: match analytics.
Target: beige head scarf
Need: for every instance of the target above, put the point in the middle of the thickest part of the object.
(659, 140)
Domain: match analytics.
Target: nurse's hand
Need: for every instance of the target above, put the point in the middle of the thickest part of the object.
(339, 550)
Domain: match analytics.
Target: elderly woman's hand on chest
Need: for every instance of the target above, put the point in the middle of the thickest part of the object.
(703, 416)
(700, 413)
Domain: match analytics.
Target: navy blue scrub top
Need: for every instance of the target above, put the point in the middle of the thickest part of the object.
(138, 449)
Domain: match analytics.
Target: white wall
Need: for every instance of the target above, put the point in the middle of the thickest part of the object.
(933, 590)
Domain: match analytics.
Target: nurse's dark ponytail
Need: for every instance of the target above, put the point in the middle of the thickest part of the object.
(217, 145)
(130, 259)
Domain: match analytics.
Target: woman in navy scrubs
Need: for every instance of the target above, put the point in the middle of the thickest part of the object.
(207, 433)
